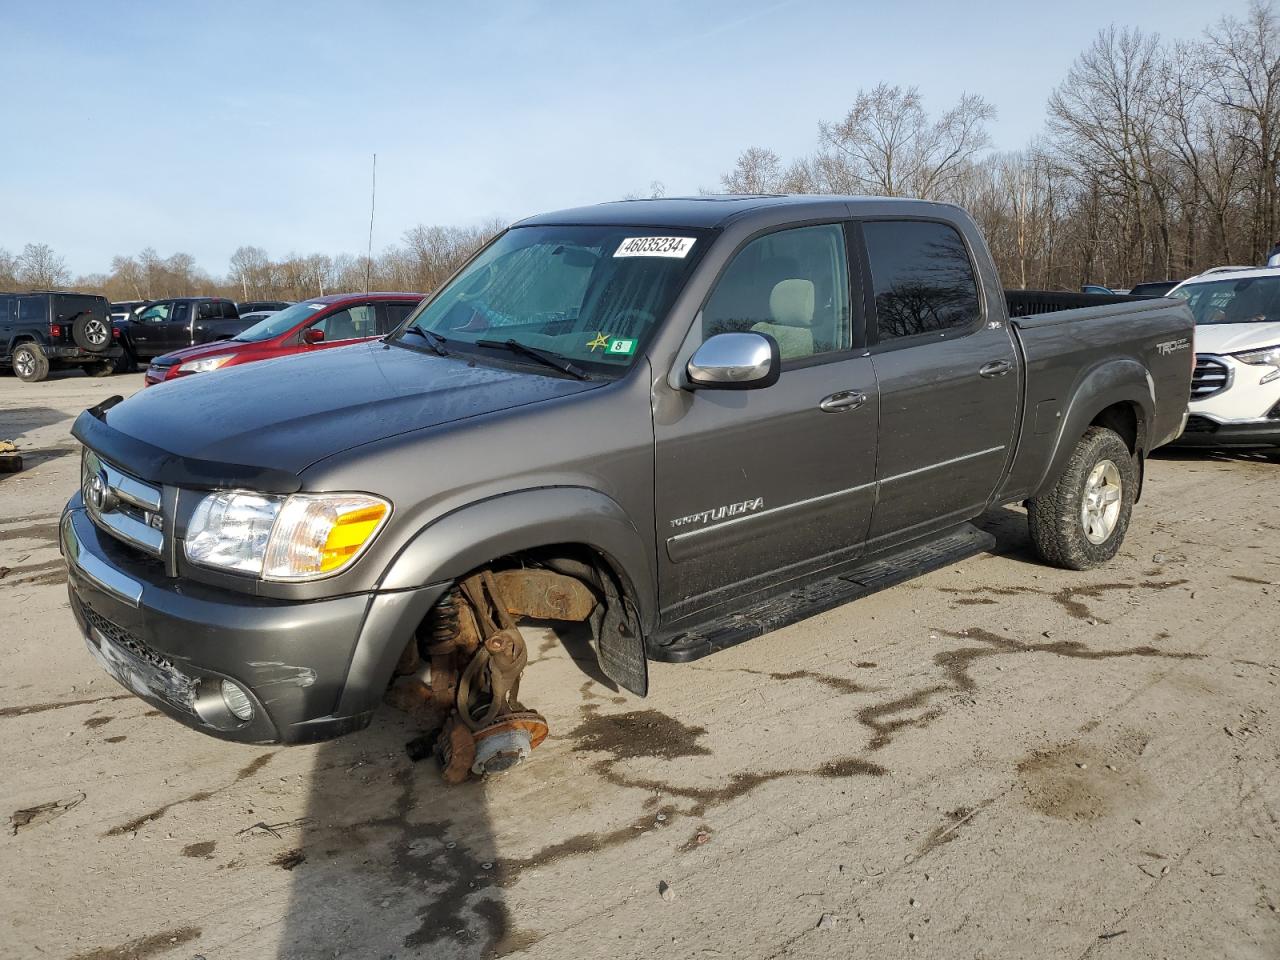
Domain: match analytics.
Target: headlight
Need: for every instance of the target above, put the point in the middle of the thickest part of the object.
(202, 366)
(1267, 356)
(302, 537)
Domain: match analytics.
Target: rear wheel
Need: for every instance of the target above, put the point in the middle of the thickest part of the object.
(1080, 521)
(29, 362)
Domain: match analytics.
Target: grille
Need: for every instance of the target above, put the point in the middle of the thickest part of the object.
(1211, 377)
(123, 638)
(124, 507)
(146, 667)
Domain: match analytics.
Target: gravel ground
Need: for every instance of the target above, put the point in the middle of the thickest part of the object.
(996, 760)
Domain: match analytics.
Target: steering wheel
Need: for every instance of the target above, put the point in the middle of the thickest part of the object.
(476, 285)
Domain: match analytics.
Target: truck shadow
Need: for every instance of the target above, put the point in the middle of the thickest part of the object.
(389, 861)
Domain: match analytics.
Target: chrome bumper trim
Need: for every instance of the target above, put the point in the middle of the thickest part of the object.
(97, 572)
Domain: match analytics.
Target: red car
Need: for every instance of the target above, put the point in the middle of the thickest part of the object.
(316, 324)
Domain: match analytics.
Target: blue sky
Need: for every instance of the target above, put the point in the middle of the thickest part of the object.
(202, 126)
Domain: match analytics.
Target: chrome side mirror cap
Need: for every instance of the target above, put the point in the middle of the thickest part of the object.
(735, 361)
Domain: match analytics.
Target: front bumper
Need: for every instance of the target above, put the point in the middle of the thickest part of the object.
(155, 374)
(1203, 430)
(312, 670)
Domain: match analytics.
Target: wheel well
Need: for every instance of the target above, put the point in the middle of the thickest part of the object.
(1124, 420)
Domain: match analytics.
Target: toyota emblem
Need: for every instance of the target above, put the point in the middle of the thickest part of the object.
(99, 494)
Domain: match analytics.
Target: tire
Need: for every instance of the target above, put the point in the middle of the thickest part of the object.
(126, 362)
(100, 368)
(29, 362)
(1084, 493)
(91, 332)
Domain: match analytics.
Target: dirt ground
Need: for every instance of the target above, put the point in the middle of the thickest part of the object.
(996, 760)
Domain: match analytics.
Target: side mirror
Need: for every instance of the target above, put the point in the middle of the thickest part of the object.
(312, 335)
(735, 361)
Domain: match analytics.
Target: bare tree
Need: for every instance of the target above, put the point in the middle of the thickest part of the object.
(39, 268)
(1244, 56)
(888, 144)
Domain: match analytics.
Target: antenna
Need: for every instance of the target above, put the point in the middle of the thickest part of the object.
(373, 199)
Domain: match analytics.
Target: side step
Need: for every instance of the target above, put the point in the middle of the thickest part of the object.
(871, 576)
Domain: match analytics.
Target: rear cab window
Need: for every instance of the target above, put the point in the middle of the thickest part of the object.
(923, 280)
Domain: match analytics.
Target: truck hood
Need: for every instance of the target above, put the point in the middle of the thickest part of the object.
(1235, 337)
(287, 413)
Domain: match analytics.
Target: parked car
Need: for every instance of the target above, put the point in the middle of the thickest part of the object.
(122, 309)
(256, 306)
(1235, 393)
(46, 330)
(687, 422)
(171, 324)
(1095, 288)
(1152, 288)
(316, 324)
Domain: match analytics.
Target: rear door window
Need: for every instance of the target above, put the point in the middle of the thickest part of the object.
(33, 310)
(8, 309)
(396, 312)
(922, 278)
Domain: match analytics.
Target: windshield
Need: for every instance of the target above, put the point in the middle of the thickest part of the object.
(1241, 300)
(278, 323)
(592, 294)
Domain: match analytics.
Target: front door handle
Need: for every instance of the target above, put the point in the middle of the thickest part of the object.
(996, 368)
(844, 400)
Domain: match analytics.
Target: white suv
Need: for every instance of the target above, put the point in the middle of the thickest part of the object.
(1235, 392)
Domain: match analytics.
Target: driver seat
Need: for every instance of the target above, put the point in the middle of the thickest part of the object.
(791, 318)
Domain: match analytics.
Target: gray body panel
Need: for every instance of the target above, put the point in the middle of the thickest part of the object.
(699, 500)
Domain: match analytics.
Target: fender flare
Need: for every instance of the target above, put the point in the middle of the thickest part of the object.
(1114, 381)
(459, 542)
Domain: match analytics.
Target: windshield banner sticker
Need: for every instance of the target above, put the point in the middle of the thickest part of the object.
(678, 247)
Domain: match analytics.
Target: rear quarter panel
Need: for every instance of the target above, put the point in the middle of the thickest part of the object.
(1079, 362)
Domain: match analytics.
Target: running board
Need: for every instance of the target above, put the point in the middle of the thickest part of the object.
(873, 575)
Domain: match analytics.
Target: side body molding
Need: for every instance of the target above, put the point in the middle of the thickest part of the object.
(459, 542)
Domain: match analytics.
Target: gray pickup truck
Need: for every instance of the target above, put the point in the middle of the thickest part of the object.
(680, 422)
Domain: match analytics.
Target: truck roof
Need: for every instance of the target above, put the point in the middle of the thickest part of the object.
(718, 210)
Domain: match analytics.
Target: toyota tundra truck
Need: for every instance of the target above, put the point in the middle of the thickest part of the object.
(680, 423)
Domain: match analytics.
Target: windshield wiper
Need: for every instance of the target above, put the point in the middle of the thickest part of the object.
(545, 357)
(435, 342)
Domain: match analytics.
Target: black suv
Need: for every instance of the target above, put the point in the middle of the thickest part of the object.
(44, 330)
(171, 324)
(262, 306)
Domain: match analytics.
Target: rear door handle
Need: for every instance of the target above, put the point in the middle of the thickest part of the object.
(996, 368)
(844, 400)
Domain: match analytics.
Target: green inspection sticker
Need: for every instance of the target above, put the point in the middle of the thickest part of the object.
(620, 346)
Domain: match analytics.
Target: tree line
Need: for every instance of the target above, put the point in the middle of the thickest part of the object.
(1158, 159)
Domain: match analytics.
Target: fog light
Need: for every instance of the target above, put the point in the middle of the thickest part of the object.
(237, 701)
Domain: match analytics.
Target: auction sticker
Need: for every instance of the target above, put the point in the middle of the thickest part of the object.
(678, 247)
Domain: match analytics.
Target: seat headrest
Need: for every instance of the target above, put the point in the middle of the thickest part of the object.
(791, 303)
